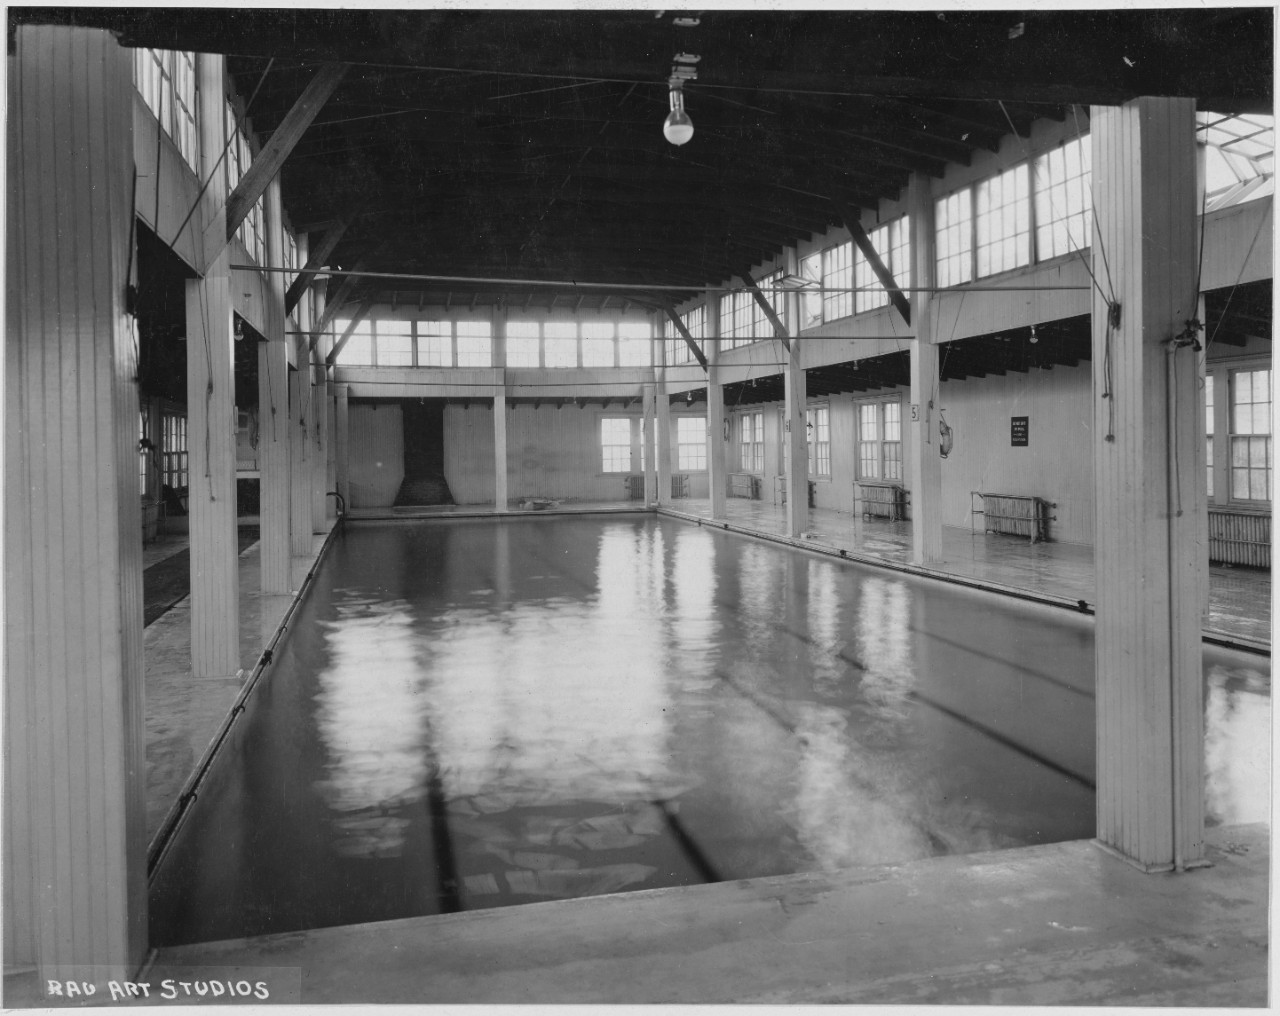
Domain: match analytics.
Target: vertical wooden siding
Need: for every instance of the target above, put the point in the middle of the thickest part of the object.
(375, 450)
(75, 890)
(1057, 464)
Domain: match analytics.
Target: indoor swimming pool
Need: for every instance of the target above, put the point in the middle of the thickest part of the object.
(475, 713)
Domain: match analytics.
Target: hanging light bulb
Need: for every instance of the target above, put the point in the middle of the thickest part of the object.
(677, 128)
(1034, 338)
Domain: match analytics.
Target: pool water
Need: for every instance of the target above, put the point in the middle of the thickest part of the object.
(479, 713)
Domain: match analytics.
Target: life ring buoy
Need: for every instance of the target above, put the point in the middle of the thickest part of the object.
(945, 439)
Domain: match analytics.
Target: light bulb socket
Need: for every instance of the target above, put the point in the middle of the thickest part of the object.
(677, 128)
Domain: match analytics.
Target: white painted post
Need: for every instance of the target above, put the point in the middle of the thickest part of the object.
(342, 445)
(211, 440)
(273, 414)
(794, 434)
(717, 481)
(500, 493)
(649, 455)
(75, 888)
(1151, 514)
(299, 397)
(924, 413)
(500, 450)
(662, 422)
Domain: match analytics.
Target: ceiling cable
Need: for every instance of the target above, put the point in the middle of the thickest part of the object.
(642, 286)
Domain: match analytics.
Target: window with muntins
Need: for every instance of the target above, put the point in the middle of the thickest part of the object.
(597, 343)
(358, 349)
(837, 274)
(435, 343)
(1003, 222)
(615, 444)
(818, 428)
(811, 298)
(474, 343)
(523, 343)
(871, 294)
(953, 223)
(173, 456)
(166, 80)
(1064, 208)
(1251, 435)
(691, 442)
(751, 442)
(560, 344)
(879, 439)
(1208, 430)
(393, 343)
(635, 344)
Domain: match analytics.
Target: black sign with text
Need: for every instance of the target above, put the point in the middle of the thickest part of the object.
(1019, 431)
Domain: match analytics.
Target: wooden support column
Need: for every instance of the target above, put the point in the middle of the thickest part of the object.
(794, 435)
(662, 422)
(299, 397)
(500, 450)
(649, 453)
(341, 443)
(75, 886)
(318, 435)
(331, 451)
(1151, 514)
(923, 415)
(273, 415)
(717, 481)
(211, 431)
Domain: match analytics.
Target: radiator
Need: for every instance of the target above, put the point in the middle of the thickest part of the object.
(679, 485)
(1015, 514)
(882, 500)
(1237, 537)
(780, 491)
(635, 487)
(744, 485)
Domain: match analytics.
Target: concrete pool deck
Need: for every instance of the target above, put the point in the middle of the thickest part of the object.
(1059, 924)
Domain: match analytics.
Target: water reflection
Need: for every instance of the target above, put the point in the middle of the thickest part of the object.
(1237, 748)
(483, 713)
(372, 727)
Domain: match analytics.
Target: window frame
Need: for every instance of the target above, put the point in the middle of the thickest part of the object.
(817, 418)
(881, 441)
(696, 443)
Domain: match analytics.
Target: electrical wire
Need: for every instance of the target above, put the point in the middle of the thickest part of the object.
(1262, 221)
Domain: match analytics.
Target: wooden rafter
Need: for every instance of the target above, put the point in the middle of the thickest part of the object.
(689, 340)
(264, 168)
(896, 296)
(356, 318)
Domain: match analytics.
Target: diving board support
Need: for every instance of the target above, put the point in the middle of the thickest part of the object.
(1149, 469)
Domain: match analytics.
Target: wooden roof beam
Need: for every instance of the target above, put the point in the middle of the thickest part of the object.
(283, 139)
(896, 296)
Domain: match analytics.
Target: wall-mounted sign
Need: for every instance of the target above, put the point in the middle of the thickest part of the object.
(1019, 431)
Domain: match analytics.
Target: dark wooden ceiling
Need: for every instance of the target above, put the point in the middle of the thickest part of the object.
(520, 144)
